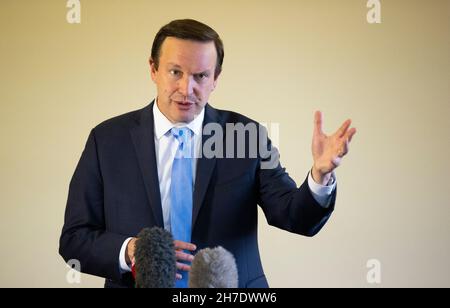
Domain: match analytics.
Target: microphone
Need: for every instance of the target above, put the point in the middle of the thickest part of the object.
(213, 268)
(155, 263)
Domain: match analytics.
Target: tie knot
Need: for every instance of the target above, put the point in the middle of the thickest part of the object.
(185, 144)
(181, 134)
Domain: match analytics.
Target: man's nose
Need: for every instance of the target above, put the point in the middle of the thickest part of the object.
(185, 86)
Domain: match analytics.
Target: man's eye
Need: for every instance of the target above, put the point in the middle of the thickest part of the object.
(174, 72)
(202, 76)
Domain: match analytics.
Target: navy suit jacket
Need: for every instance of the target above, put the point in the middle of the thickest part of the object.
(114, 193)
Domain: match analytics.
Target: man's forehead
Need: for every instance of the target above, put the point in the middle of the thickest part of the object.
(171, 41)
(199, 56)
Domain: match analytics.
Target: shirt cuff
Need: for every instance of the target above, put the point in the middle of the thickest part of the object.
(123, 264)
(321, 193)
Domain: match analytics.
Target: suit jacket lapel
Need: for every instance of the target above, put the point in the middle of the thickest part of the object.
(205, 167)
(143, 139)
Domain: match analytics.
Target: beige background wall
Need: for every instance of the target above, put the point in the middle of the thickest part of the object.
(284, 59)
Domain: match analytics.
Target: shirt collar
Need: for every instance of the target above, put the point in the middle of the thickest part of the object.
(163, 125)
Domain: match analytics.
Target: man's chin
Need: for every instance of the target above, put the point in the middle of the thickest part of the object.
(185, 118)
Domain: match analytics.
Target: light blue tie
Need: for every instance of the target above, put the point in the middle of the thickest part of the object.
(181, 192)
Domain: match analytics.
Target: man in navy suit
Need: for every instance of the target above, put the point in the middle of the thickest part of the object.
(123, 180)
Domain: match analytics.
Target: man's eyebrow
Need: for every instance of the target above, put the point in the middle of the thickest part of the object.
(174, 65)
(207, 71)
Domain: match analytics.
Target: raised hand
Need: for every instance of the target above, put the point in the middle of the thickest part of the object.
(328, 151)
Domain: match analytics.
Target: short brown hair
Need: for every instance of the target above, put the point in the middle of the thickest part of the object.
(188, 29)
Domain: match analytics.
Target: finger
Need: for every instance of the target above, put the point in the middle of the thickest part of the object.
(178, 276)
(183, 256)
(343, 129)
(180, 245)
(344, 149)
(350, 134)
(318, 122)
(183, 267)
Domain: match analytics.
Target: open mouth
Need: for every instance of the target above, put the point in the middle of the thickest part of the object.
(184, 105)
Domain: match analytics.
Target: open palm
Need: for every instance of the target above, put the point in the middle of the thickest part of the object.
(328, 151)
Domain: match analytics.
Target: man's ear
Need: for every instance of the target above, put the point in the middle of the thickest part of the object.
(153, 69)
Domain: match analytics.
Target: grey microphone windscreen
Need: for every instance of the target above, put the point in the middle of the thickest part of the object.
(213, 268)
(155, 262)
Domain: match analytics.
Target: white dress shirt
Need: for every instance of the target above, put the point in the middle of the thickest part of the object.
(166, 146)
